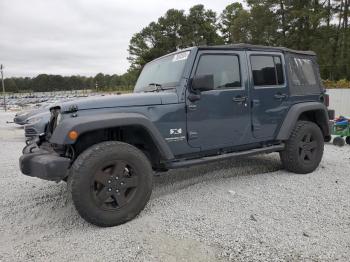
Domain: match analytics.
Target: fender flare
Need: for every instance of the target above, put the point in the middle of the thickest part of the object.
(294, 113)
(85, 124)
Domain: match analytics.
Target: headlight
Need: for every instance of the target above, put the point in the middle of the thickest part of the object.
(33, 120)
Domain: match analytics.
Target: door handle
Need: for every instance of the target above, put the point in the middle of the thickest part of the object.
(239, 99)
(280, 96)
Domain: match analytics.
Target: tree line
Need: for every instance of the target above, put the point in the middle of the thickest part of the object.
(318, 25)
(45, 82)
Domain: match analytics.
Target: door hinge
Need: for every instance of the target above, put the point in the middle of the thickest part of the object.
(191, 107)
(192, 135)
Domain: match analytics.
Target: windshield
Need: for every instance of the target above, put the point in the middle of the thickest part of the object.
(164, 73)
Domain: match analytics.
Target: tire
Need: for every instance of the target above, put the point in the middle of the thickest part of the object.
(304, 149)
(338, 141)
(111, 183)
(347, 140)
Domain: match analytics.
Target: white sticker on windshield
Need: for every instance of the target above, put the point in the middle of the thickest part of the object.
(181, 56)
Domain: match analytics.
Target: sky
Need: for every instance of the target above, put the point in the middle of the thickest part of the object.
(77, 37)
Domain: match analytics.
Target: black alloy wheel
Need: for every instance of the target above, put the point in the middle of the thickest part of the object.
(304, 148)
(307, 148)
(114, 185)
(110, 183)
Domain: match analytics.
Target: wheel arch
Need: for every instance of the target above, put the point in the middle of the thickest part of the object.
(131, 128)
(311, 111)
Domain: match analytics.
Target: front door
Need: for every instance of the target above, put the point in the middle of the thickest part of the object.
(221, 117)
(269, 93)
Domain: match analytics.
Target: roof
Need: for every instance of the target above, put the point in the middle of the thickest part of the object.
(257, 48)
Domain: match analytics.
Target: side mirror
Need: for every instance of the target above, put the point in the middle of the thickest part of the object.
(203, 83)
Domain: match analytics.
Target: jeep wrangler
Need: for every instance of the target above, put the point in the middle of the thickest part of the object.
(189, 107)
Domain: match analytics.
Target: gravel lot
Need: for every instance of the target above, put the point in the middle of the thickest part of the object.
(246, 209)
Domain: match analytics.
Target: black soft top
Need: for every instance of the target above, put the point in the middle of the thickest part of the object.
(256, 48)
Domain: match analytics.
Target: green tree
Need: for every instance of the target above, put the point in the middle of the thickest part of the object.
(234, 24)
(171, 32)
(201, 27)
(10, 85)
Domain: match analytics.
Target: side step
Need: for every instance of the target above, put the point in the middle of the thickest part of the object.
(208, 159)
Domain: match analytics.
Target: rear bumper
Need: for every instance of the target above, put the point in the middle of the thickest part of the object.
(36, 162)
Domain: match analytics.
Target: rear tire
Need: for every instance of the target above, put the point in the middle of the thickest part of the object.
(304, 148)
(111, 183)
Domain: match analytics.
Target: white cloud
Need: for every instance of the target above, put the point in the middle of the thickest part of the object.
(76, 36)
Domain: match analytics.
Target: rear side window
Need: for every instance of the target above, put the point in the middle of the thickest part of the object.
(224, 68)
(267, 70)
(302, 72)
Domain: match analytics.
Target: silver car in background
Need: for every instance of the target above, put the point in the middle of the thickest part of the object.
(36, 125)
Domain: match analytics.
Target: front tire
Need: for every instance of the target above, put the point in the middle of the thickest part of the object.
(304, 148)
(111, 183)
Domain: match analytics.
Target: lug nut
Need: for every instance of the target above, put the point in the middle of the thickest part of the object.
(117, 191)
(109, 189)
(109, 181)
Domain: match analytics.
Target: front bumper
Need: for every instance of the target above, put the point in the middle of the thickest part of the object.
(36, 162)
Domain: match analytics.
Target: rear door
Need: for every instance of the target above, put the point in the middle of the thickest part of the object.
(269, 92)
(220, 117)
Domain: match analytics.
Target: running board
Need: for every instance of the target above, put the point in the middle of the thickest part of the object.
(208, 159)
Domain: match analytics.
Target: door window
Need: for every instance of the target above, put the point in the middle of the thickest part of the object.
(267, 70)
(224, 68)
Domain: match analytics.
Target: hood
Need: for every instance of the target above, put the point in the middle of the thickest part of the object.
(125, 100)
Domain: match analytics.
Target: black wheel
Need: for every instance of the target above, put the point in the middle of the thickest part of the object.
(304, 149)
(111, 183)
(347, 140)
(338, 141)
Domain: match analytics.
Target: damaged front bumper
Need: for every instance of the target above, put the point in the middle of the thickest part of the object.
(43, 163)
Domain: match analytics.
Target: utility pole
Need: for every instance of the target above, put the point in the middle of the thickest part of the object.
(3, 85)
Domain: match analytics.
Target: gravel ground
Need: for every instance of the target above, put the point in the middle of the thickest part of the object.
(247, 209)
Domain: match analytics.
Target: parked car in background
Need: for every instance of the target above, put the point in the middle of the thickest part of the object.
(21, 117)
(36, 125)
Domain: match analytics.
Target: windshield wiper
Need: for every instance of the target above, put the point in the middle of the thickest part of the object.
(158, 87)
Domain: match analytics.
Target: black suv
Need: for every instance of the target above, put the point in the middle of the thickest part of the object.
(189, 107)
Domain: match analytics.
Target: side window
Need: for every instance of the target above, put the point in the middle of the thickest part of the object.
(267, 70)
(302, 72)
(224, 68)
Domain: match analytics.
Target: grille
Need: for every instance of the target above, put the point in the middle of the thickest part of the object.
(29, 131)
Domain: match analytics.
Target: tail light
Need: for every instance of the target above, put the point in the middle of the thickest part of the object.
(326, 100)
